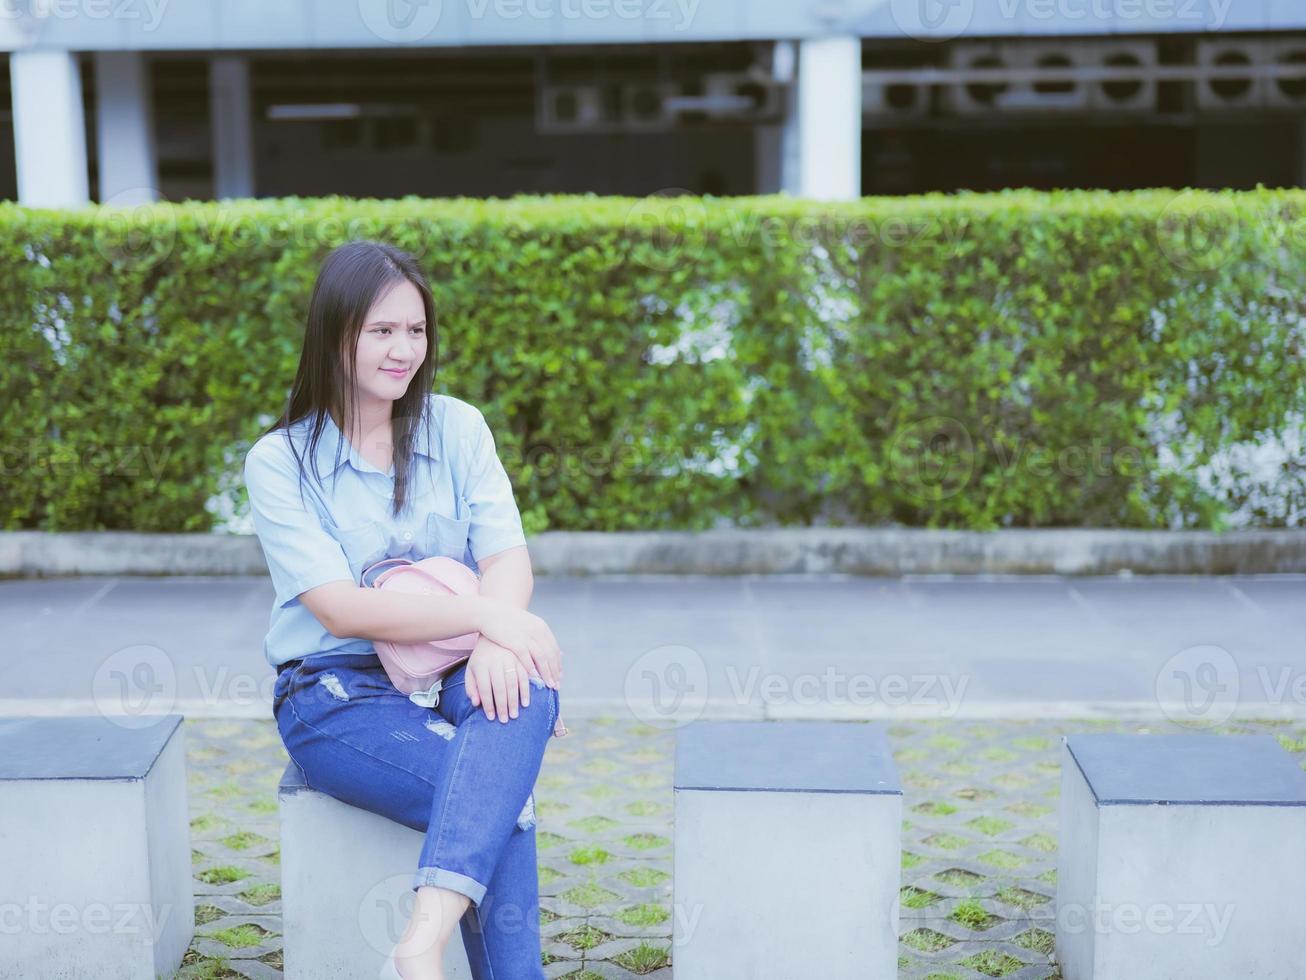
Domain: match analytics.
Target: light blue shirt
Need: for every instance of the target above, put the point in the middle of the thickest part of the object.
(460, 504)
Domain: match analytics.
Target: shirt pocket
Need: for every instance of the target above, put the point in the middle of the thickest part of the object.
(447, 535)
(362, 544)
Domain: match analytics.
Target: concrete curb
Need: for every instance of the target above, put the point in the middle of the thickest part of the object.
(260, 709)
(727, 551)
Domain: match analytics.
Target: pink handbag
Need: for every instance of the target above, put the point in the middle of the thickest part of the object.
(417, 669)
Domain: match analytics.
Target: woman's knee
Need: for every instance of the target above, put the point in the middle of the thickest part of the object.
(535, 717)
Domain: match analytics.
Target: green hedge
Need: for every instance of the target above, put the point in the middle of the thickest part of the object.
(976, 361)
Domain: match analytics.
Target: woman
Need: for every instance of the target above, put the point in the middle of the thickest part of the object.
(367, 463)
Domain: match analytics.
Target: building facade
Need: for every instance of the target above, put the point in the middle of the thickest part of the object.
(127, 100)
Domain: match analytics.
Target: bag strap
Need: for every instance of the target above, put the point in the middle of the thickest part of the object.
(362, 578)
(415, 567)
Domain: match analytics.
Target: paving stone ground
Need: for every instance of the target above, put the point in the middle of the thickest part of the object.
(979, 845)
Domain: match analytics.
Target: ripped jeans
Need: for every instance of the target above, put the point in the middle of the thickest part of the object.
(463, 780)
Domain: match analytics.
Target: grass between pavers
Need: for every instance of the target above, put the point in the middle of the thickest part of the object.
(260, 894)
(647, 914)
(644, 958)
(224, 875)
(979, 844)
(240, 937)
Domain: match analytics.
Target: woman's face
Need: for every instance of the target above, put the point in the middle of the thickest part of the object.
(391, 344)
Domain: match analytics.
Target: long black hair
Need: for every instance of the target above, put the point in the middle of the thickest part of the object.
(351, 278)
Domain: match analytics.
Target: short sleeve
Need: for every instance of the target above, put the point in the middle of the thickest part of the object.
(300, 553)
(495, 521)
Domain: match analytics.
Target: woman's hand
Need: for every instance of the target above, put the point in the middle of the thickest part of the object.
(496, 681)
(525, 635)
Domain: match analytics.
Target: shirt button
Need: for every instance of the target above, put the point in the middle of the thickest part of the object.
(408, 535)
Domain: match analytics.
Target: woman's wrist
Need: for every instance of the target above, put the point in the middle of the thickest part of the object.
(481, 607)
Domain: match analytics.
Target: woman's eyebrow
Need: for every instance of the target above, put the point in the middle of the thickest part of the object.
(395, 323)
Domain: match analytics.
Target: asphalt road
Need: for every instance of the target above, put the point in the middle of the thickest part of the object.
(676, 648)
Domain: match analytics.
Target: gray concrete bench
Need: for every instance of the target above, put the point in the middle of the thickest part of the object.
(787, 851)
(1180, 856)
(346, 886)
(95, 872)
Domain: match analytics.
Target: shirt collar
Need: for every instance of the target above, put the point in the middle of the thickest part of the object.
(425, 444)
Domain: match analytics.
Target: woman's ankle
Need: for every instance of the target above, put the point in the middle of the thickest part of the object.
(426, 963)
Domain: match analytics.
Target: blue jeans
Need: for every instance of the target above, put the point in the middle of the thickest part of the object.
(463, 780)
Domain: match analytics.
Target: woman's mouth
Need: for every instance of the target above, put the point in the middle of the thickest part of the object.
(395, 373)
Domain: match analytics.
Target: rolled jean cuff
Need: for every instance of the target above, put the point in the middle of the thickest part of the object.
(452, 880)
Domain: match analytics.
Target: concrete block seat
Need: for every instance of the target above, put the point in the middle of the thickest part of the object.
(787, 851)
(1180, 857)
(346, 886)
(95, 870)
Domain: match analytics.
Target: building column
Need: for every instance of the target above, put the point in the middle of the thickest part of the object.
(49, 129)
(791, 146)
(1301, 159)
(124, 126)
(775, 146)
(232, 128)
(829, 131)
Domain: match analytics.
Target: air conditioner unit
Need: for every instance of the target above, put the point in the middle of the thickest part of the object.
(1123, 95)
(1288, 92)
(755, 96)
(569, 108)
(897, 100)
(1061, 95)
(1236, 92)
(1056, 95)
(643, 105)
(978, 98)
(733, 95)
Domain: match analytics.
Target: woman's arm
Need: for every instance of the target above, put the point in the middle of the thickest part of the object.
(508, 578)
(349, 610)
